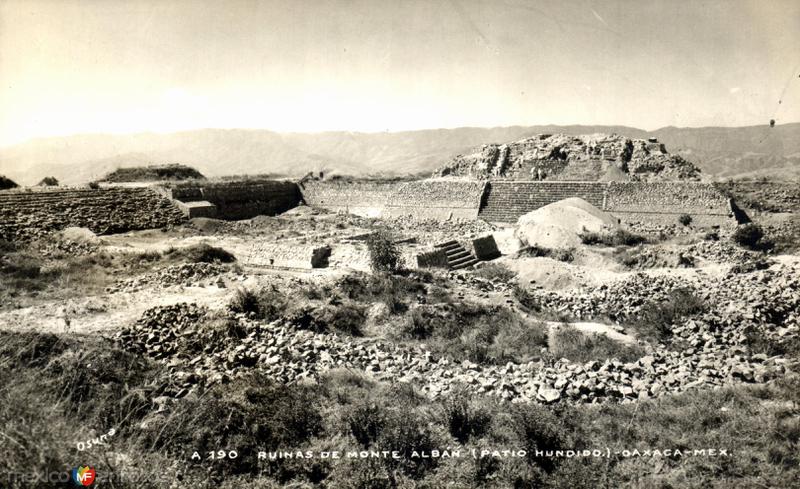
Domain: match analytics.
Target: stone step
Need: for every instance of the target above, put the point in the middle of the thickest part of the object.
(447, 244)
(457, 254)
(464, 265)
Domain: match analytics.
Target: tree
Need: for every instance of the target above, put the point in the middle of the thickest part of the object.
(383, 254)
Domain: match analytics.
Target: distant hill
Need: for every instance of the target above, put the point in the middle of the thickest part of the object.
(719, 152)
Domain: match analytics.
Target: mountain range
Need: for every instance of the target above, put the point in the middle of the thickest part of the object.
(720, 152)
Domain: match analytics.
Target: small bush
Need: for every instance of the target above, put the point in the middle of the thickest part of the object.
(750, 236)
(94, 185)
(538, 430)
(464, 418)
(245, 301)
(561, 254)
(619, 237)
(685, 219)
(209, 254)
(48, 182)
(495, 271)
(345, 318)
(365, 421)
(383, 254)
(7, 183)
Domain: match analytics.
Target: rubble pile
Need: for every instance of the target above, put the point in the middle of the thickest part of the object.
(31, 215)
(619, 301)
(60, 247)
(186, 274)
(710, 350)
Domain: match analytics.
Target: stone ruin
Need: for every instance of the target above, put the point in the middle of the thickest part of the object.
(566, 157)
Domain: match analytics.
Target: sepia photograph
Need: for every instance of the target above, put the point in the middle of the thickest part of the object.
(412, 244)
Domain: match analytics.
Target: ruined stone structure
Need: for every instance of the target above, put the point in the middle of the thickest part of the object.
(28, 214)
(634, 203)
(237, 199)
(435, 199)
(563, 157)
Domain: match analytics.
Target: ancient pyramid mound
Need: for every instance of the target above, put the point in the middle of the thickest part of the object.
(153, 173)
(593, 157)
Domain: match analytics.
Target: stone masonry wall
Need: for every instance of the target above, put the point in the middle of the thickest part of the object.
(367, 199)
(636, 203)
(436, 199)
(29, 214)
(508, 201)
(241, 199)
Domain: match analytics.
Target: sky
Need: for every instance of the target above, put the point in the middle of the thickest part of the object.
(122, 66)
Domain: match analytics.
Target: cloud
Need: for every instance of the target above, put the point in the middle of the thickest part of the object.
(734, 90)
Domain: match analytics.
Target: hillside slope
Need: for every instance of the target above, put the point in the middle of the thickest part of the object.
(718, 152)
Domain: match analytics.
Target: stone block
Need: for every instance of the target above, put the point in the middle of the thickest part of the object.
(485, 248)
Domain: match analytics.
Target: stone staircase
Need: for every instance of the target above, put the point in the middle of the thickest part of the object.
(508, 201)
(457, 256)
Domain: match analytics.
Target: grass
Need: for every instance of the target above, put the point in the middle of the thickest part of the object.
(29, 276)
(656, 318)
(570, 343)
(478, 333)
(566, 255)
(55, 391)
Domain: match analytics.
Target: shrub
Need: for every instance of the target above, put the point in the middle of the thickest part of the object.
(21, 266)
(6, 247)
(48, 182)
(252, 411)
(685, 219)
(750, 236)
(619, 237)
(383, 254)
(245, 301)
(365, 421)
(560, 254)
(94, 185)
(495, 271)
(406, 432)
(538, 429)
(7, 183)
(209, 254)
(463, 418)
(345, 318)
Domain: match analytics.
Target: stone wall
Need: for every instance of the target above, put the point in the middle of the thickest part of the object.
(507, 201)
(286, 255)
(28, 214)
(639, 204)
(367, 199)
(436, 199)
(241, 199)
